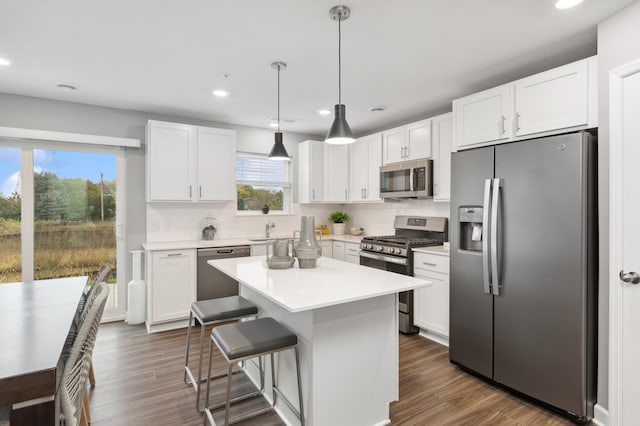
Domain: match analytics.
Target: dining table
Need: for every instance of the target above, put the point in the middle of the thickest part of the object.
(35, 320)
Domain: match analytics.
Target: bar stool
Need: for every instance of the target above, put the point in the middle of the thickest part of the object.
(216, 312)
(251, 339)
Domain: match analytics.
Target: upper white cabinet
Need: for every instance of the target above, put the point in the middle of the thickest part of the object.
(442, 140)
(216, 164)
(556, 101)
(365, 159)
(484, 116)
(336, 173)
(170, 156)
(190, 163)
(409, 142)
(310, 171)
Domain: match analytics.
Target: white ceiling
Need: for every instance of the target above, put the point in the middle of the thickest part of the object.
(166, 56)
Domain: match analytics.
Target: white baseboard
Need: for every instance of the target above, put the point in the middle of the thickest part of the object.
(600, 415)
(438, 338)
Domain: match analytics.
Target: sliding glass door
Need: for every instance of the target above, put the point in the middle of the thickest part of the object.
(59, 214)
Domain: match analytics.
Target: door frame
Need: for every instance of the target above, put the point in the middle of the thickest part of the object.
(616, 320)
(44, 139)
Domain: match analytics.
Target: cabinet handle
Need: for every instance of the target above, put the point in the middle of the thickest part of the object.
(501, 129)
(406, 151)
(190, 195)
(174, 254)
(516, 122)
(200, 191)
(429, 264)
(346, 195)
(402, 152)
(435, 189)
(313, 194)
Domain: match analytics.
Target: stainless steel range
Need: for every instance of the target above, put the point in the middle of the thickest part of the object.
(394, 253)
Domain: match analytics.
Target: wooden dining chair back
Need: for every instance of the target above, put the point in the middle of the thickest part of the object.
(76, 368)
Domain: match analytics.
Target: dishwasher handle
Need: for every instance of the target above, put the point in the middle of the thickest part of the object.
(225, 252)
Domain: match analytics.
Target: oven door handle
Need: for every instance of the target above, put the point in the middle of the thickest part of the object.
(390, 259)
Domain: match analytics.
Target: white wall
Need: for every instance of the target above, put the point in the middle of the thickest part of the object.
(618, 44)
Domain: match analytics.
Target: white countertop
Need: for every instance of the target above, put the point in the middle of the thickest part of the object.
(332, 282)
(181, 245)
(439, 250)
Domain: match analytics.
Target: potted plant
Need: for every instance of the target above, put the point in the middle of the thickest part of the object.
(338, 219)
(265, 208)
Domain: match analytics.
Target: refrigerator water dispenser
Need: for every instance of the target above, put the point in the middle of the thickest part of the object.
(470, 220)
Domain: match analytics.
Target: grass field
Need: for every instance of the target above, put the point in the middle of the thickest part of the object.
(60, 249)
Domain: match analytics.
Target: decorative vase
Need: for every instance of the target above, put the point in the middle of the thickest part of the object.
(307, 249)
(265, 210)
(338, 228)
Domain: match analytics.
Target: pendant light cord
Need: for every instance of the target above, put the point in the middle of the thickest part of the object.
(278, 98)
(339, 62)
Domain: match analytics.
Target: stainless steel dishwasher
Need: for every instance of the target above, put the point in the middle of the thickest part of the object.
(212, 283)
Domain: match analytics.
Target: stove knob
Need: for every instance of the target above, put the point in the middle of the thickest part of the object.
(370, 246)
(379, 248)
(390, 250)
(397, 251)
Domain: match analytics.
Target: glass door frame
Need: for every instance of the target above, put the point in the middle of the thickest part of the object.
(27, 209)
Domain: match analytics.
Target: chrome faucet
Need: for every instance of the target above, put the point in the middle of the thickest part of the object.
(268, 227)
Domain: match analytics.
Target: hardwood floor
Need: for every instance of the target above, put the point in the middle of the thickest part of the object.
(139, 382)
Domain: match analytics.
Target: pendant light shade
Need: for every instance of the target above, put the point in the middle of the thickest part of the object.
(278, 152)
(340, 132)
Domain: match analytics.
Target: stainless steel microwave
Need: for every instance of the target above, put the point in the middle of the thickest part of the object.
(409, 179)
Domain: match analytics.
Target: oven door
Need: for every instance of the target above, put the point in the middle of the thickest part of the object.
(398, 265)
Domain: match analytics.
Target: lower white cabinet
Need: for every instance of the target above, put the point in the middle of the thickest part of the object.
(171, 285)
(327, 247)
(352, 253)
(339, 250)
(349, 252)
(431, 303)
(258, 249)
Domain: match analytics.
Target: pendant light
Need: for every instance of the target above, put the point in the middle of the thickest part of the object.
(279, 152)
(339, 133)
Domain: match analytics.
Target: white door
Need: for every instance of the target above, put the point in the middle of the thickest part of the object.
(216, 164)
(336, 173)
(418, 140)
(624, 204)
(358, 168)
(393, 145)
(552, 100)
(483, 117)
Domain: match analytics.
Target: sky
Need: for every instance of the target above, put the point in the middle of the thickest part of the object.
(65, 164)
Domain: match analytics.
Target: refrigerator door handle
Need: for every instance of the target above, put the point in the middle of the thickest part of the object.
(495, 206)
(486, 272)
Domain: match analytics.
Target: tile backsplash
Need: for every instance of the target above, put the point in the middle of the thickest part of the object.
(184, 222)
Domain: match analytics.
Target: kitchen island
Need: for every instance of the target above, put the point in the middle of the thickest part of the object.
(346, 319)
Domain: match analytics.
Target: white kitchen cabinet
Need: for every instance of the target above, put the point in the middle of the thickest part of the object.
(216, 151)
(327, 247)
(409, 142)
(442, 140)
(190, 163)
(336, 174)
(170, 156)
(555, 101)
(352, 253)
(310, 171)
(365, 159)
(431, 303)
(339, 250)
(258, 249)
(171, 285)
(484, 117)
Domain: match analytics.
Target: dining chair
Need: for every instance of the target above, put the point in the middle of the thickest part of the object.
(73, 394)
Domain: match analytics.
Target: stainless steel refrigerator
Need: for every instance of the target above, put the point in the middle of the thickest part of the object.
(523, 268)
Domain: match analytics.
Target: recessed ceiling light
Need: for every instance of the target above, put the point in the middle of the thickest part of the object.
(567, 4)
(272, 124)
(66, 86)
(324, 112)
(376, 108)
(221, 93)
(4, 62)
